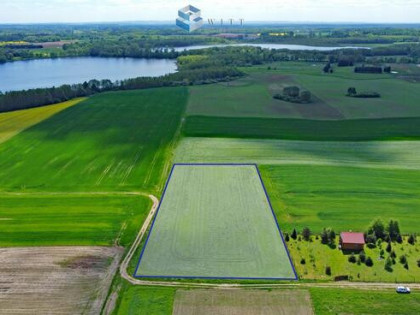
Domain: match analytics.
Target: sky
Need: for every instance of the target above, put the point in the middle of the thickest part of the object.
(75, 11)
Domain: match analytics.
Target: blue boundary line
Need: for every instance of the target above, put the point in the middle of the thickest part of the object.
(215, 278)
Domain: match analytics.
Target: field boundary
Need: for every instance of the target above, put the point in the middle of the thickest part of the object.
(206, 277)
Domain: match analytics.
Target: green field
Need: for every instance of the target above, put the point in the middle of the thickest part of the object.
(343, 185)
(251, 96)
(12, 123)
(344, 198)
(303, 129)
(372, 154)
(139, 300)
(43, 219)
(112, 141)
(215, 221)
(368, 302)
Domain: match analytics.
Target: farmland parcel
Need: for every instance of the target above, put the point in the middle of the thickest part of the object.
(215, 221)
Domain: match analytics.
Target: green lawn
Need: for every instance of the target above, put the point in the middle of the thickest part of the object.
(344, 198)
(145, 300)
(317, 256)
(303, 129)
(372, 154)
(251, 96)
(112, 141)
(39, 220)
(351, 301)
(215, 221)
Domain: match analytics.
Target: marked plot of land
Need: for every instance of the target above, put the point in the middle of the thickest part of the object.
(215, 221)
(241, 302)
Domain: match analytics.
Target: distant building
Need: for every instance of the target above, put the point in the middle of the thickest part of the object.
(352, 241)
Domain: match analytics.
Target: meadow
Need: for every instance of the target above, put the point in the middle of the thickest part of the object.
(70, 219)
(318, 256)
(215, 221)
(112, 141)
(12, 123)
(251, 96)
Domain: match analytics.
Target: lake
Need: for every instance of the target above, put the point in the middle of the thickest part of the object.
(21, 75)
(270, 46)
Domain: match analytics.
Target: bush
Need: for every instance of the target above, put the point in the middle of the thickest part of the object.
(418, 263)
(328, 271)
(412, 239)
(369, 262)
(352, 259)
(403, 259)
(294, 234)
(389, 247)
(393, 254)
(399, 239)
(406, 266)
(306, 233)
(388, 265)
(302, 261)
(287, 238)
(362, 256)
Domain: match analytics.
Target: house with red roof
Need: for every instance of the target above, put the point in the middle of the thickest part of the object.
(352, 241)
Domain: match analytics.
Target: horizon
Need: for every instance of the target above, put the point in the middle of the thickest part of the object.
(288, 11)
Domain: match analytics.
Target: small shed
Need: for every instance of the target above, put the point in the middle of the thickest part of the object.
(352, 241)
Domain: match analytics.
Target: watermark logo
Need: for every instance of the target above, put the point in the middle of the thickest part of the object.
(189, 18)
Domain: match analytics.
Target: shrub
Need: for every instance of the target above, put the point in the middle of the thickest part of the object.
(303, 261)
(352, 259)
(399, 239)
(287, 238)
(371, 239)
(294, 234)
(369, 262)
(306, 233)
(362, 256)
(389, 247)
(418, 263)
(378, 229)
(403, 259)
(412, 239)
(388, 265)
(328, 271)
(393, 254)
(406, 266)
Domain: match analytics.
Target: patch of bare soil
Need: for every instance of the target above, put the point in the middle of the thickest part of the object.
(242, 302)
(56, 280)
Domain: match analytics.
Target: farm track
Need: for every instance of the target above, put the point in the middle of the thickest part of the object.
(142, 232)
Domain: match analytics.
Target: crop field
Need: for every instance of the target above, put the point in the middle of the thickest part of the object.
(242, 302)
(353, 301)
(215, 221)
(329, 194)
(56, 280)
(35, 220)
(344, 198)
(12, 123)
(252, 96)
(304, 129)
(372, 154)
(112, 141)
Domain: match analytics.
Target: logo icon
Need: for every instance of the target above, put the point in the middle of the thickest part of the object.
(189, 18)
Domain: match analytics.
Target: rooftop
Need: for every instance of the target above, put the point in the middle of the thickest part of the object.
(352, 238)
